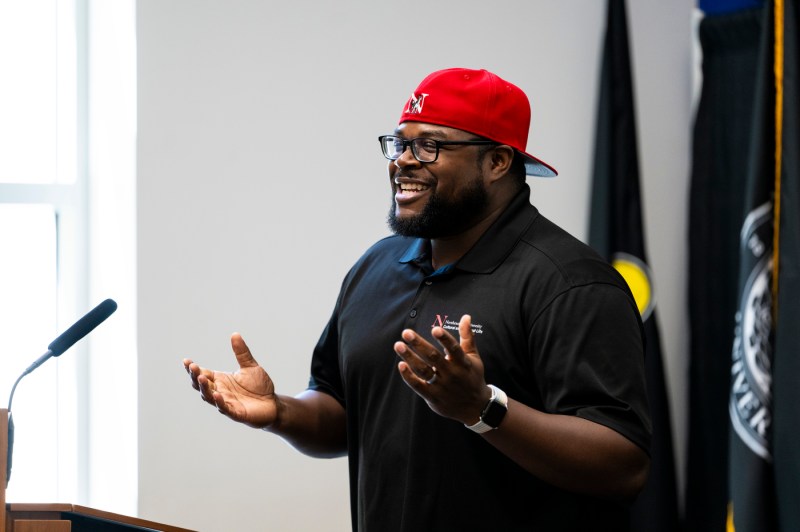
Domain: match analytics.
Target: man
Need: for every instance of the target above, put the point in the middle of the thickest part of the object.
(482, 369)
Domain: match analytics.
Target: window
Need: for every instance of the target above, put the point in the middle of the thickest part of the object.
(42, 216)
(52, 138)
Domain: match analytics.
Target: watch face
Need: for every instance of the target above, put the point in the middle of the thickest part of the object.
(494, 414)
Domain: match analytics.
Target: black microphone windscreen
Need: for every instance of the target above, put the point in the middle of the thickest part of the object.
(82, 327)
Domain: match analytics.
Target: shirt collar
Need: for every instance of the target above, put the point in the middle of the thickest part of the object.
(418, 251)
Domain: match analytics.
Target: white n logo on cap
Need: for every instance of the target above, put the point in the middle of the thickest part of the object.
(415, 103)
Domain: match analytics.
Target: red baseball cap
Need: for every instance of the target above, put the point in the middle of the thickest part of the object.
(479, 102)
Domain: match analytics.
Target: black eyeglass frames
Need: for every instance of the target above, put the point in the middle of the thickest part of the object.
(425, 150)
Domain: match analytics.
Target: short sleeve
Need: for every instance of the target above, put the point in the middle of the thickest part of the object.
(588, 359)
(325, 372)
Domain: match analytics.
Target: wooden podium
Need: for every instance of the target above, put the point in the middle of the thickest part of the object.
(60, 517)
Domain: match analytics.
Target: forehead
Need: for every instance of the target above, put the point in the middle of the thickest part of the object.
(412, 130)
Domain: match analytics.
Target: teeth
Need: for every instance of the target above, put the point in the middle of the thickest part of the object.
(411, 187)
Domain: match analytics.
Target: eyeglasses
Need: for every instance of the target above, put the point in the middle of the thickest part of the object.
(425, 150)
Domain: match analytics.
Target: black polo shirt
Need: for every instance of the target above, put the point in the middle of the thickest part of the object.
(557, 329)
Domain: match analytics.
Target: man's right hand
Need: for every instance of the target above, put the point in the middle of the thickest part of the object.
(247, 396)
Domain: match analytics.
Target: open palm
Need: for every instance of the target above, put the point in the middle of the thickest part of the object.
(246, 396)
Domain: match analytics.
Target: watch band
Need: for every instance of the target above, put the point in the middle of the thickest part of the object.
(493, 413)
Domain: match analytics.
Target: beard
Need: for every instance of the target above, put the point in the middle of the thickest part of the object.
(443, 217)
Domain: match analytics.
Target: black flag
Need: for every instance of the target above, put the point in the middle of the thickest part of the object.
(751, 505)
(616, 232)
(765, 460)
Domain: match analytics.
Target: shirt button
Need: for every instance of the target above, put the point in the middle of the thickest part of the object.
(413, 313)
(428, 283)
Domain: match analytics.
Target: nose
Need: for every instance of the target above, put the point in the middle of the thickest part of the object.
(406, 158)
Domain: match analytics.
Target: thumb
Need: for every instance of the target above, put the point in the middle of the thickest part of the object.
(242, 352)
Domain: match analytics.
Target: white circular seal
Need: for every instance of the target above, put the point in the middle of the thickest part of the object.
(751, 397)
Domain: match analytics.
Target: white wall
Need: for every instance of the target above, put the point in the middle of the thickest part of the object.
(260, 181)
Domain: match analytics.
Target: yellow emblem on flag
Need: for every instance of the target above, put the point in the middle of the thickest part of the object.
(639, 278)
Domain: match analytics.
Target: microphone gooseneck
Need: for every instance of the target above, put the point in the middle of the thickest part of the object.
(67, 339)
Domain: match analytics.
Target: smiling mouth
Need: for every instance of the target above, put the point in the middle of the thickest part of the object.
(412, 187)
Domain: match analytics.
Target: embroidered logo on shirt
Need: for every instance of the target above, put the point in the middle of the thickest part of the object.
(441, 321)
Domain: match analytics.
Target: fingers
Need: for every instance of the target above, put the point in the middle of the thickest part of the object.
(449, 344)
(240, 350)
(206, 388)
(420, 356)
(195, 371)
(203, 379)
(429, 354)
(456, 350)
(215, 389)
(426, 361)
(467, 344)
(413, 368)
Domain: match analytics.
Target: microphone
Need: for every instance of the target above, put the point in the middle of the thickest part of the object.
(67, 339)
(79, 329)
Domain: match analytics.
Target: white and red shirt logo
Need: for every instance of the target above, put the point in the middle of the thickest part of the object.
(441, 320)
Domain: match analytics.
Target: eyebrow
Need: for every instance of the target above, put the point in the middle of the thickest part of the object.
(431, 133)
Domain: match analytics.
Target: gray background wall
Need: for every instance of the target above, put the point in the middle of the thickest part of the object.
(260, 182)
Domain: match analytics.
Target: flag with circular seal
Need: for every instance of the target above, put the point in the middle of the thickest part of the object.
(751, 485)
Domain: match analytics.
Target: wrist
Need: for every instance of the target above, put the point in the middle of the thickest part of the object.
(272, 421)
(493, 413)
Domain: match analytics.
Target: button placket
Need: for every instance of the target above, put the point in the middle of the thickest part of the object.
(422, 293)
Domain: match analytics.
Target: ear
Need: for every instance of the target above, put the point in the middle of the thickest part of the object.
(499, 162)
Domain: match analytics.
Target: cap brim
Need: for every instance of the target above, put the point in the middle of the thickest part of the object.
(535, 167)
